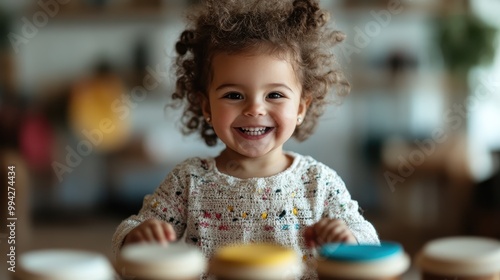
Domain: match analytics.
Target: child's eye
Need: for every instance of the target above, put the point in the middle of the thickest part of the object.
(233, 95)
(274, 95)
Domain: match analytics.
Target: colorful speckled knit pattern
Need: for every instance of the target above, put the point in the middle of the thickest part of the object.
(211, 209)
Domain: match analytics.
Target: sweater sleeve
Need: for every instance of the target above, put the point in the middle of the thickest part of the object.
(168, 203)
(339, 205)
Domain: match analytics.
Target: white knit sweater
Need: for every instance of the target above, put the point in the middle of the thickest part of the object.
(211, 209)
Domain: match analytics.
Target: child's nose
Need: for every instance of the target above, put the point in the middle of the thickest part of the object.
(254, 108)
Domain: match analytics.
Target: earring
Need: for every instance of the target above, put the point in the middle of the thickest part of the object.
(208, 119)
(299, 120)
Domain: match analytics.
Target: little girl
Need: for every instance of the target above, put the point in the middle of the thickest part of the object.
(252, 74)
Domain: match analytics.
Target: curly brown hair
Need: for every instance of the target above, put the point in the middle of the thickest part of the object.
(296, 30)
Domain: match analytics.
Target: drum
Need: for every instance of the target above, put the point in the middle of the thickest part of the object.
(63, 265)
(471, 258)
(350, 261)
(255, 261)
(175, 261)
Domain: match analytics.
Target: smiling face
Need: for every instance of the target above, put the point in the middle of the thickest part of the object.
(254, 102)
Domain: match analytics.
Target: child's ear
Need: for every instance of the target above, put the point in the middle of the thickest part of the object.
(304, 105)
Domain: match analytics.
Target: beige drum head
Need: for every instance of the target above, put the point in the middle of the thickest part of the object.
(64, 265)
(155, 261)
(462, 256)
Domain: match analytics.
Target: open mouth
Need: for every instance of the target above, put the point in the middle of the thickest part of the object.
(254, 131)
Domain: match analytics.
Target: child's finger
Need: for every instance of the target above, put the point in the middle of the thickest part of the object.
(158, 233)
(344, 236)
(341, 233)
(348, 237)
(313, 233)
(169, 232)
(141, 237)
(338, 234)
(329, 231)
(335, 231)
(309, 236)
(134, 237)
(148, 234)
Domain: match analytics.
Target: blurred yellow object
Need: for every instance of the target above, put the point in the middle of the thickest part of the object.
(92, 116)
(256, 261)
(255, 254)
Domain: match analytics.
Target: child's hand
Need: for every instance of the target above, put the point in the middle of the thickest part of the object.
(328, 230)
(151, 230)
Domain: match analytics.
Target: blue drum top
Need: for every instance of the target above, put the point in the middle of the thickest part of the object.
(359, 253)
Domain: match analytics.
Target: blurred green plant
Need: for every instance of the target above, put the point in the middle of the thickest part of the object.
(465, 42)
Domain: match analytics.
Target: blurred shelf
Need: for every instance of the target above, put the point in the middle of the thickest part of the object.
(78, 13)
(438, 8)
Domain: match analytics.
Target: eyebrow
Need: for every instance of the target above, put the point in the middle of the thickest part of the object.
(268, 85)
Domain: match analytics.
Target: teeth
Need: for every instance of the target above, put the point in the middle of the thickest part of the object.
(253, 131)
(253, 128)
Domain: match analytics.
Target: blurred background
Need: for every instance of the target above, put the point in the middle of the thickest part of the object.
(84, 87)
